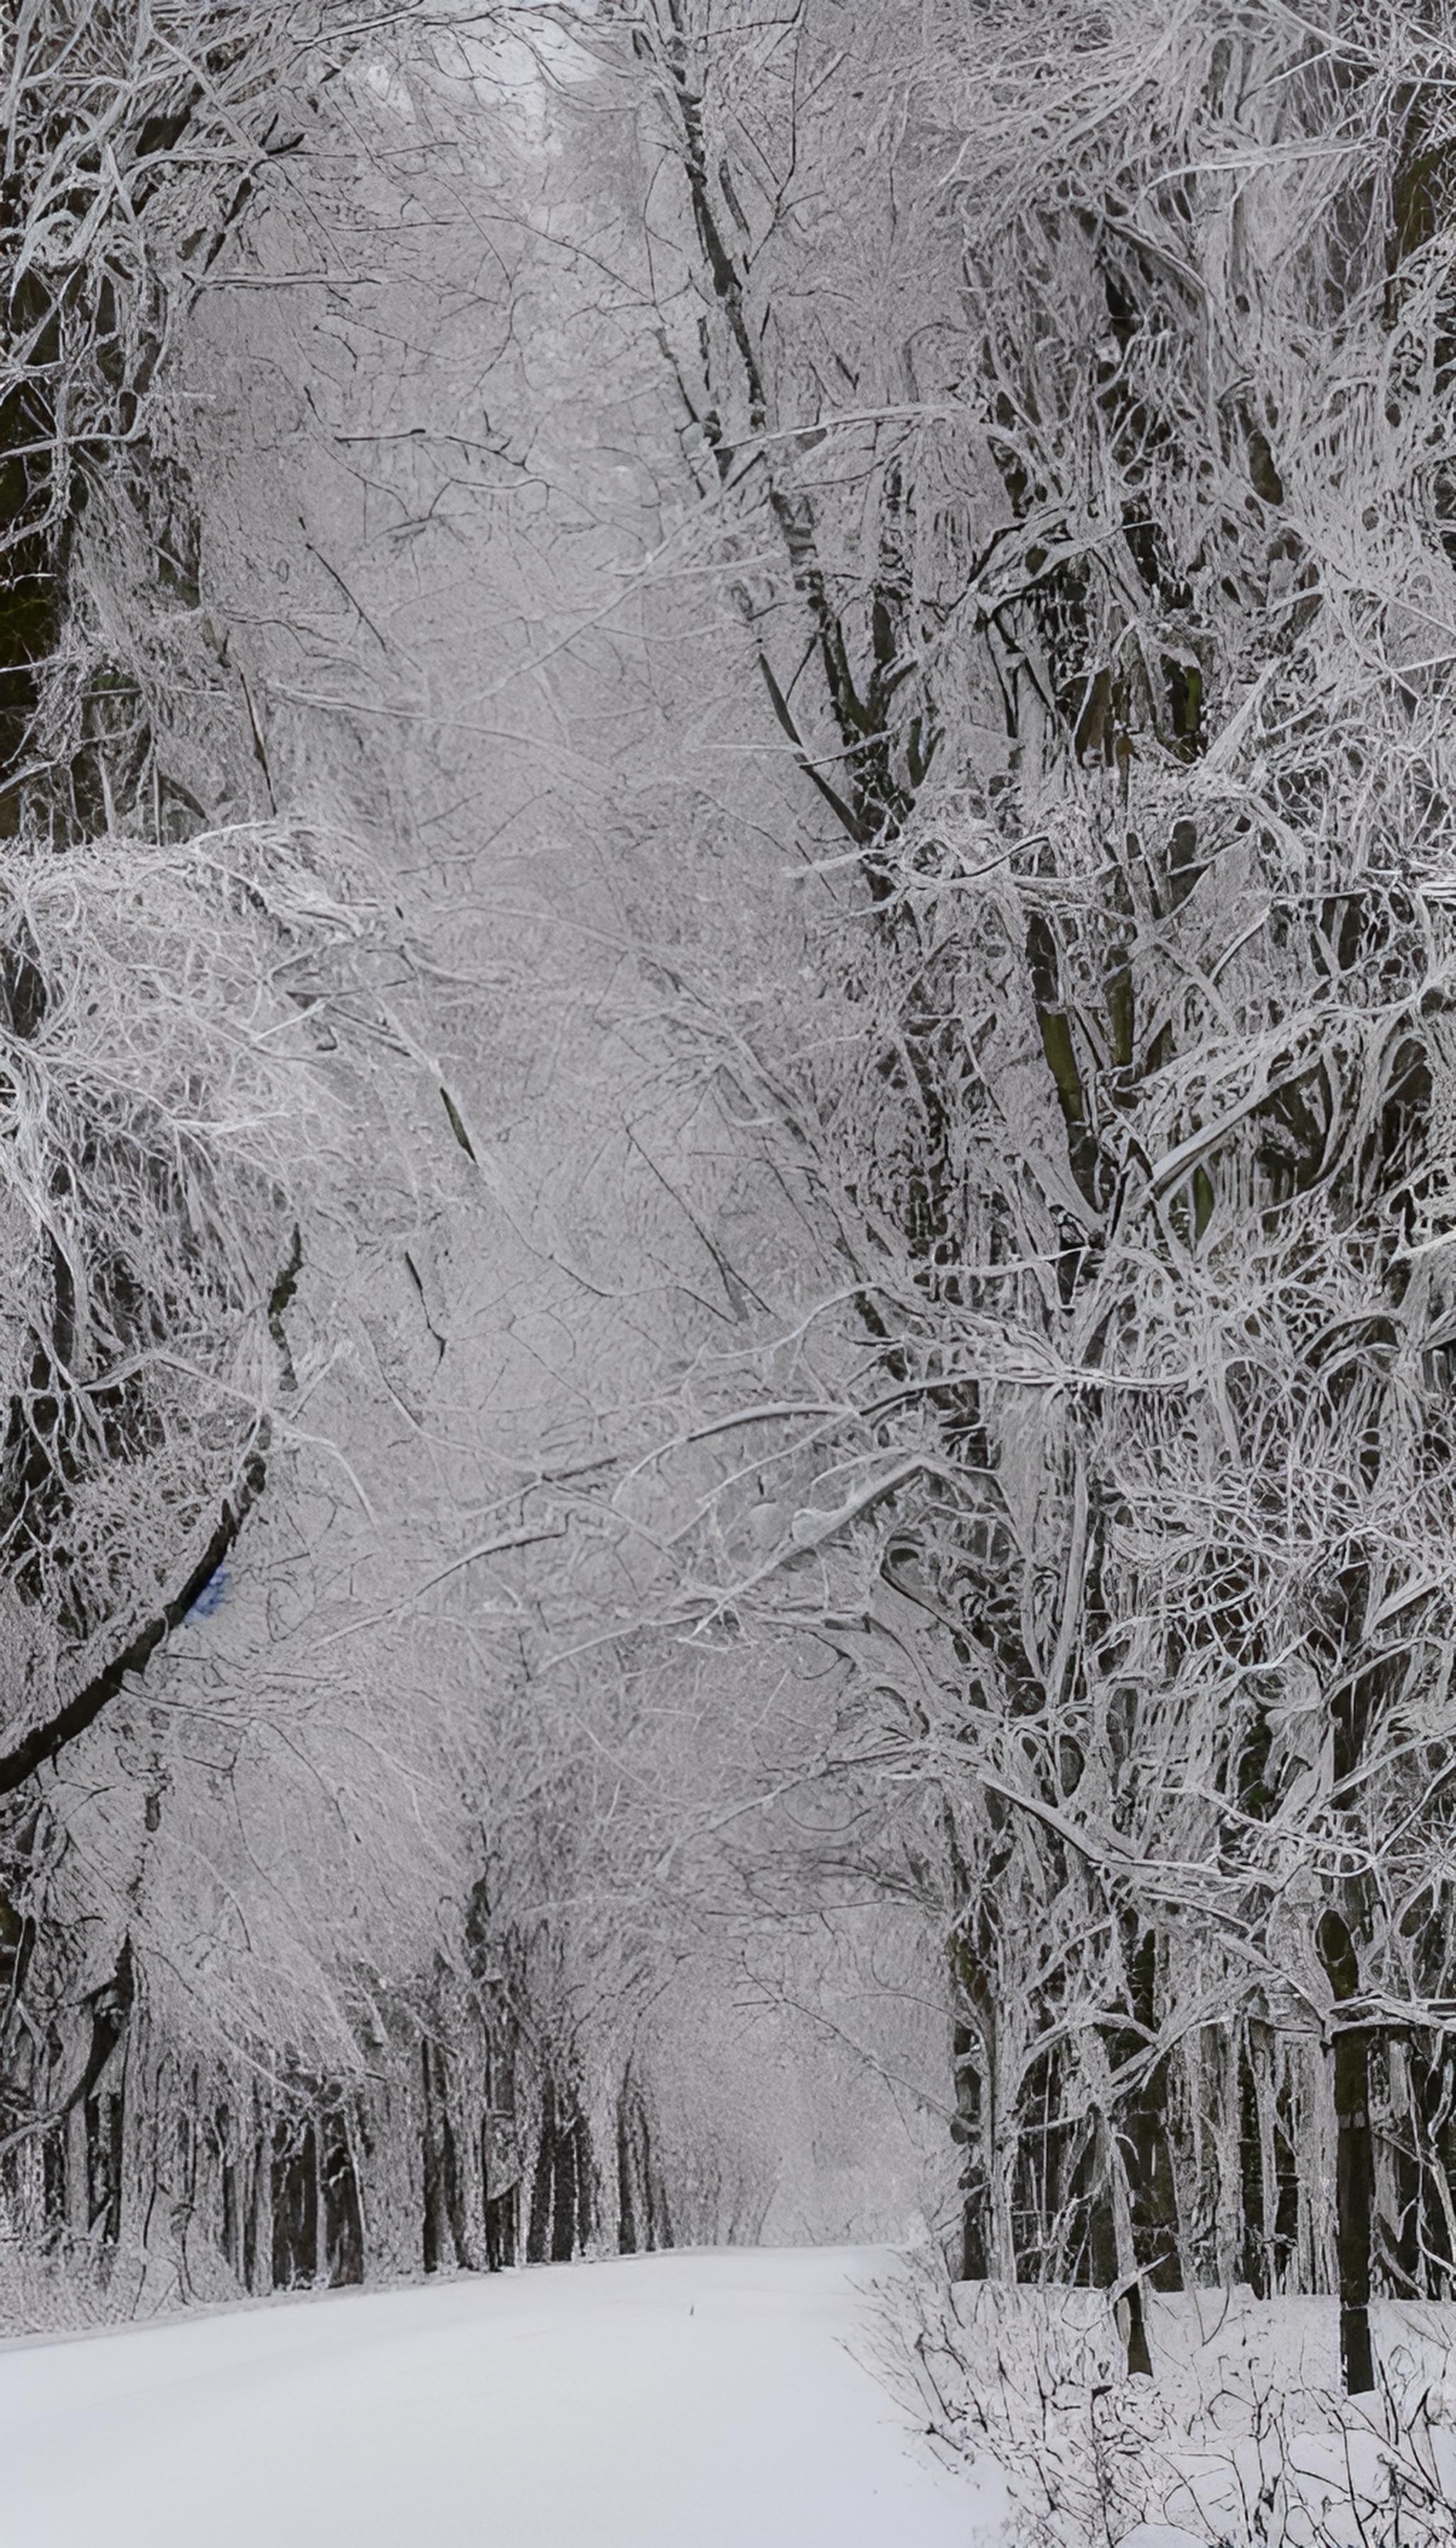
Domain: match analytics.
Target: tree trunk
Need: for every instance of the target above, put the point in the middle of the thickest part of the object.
(1354, 2206)
(585, 2202)
(538, 2225)
(340, 2212)
(564, 2199)
(1355, 2166)
(500, 2183)
(446, 2234)
(230, 2225)
(258, 2235)
(626, 2205)
(295, 2184)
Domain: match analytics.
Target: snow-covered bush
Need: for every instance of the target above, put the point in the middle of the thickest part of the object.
(1240, 2438)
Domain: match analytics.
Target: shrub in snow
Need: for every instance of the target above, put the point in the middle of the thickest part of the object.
(1230, 2445)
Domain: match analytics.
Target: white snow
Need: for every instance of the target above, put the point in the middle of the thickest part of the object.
(704, 2399)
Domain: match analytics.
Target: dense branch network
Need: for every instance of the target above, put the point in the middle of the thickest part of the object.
(1115, 595)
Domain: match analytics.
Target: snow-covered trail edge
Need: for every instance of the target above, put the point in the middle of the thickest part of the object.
(712, 2398)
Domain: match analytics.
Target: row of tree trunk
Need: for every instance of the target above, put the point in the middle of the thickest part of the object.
(132, 2164)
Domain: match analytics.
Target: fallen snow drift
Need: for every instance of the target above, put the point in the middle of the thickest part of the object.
(697, 2400)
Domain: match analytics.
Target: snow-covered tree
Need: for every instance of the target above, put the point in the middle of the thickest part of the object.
(1087, 523)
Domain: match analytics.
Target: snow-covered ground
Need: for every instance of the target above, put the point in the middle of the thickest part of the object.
(697, 2400)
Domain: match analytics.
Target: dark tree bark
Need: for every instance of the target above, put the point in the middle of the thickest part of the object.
(446, 2238)
(1139, 2359)
(343, 2220)
(586, 2183)
(538, 2225)
(1355, 2170)
(565, 2198)
(231, 2225)
(1354, 2206)
(626, 2202)
(295, 2193)
(501, 2229)
(501, 2165)
(105, 2121)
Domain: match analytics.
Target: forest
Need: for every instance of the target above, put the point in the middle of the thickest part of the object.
(728, 1151)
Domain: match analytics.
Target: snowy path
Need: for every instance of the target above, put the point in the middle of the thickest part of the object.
(704, 2400)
